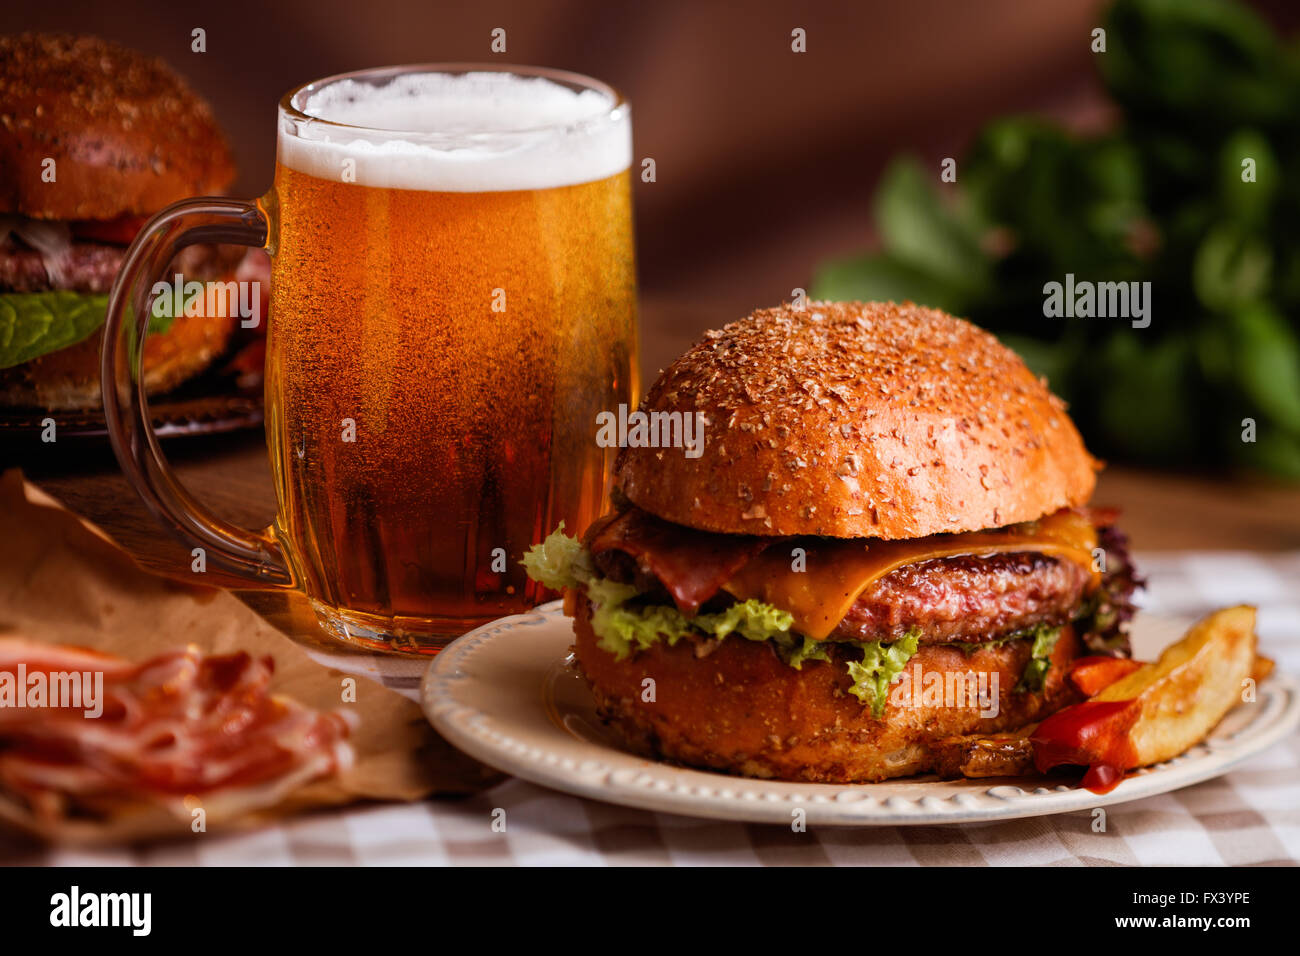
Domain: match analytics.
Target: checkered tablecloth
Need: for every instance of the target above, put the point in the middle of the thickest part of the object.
(1249, 816)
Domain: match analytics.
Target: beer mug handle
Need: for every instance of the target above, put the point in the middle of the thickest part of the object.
(253, 554)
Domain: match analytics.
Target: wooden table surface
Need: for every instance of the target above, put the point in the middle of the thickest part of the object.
(231, 474)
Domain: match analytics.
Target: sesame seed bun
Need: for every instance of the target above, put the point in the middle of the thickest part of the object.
(127, 135)
(858, 420)
(741, 710)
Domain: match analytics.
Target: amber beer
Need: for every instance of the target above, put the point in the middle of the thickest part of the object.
(446, 323)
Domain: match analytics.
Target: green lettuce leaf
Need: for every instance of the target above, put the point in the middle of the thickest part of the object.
(33, 324)
(752, 620)
(559, 562)
(970, 648)
(808, 650)
(1040, 660)
(880, 665)
(624, 630)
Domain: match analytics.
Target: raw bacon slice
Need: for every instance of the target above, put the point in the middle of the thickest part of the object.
(176, 729)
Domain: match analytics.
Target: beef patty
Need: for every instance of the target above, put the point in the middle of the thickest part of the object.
(967, 598)
(91, 267)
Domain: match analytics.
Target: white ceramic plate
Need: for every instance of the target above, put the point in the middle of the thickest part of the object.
(504, 694)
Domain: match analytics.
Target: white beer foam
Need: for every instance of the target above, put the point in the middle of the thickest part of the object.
(467, 132)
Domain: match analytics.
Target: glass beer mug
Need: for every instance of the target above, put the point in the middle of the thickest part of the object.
(452, 303)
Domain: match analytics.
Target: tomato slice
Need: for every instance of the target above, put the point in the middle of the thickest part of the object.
(119, 231)
(1091, 674)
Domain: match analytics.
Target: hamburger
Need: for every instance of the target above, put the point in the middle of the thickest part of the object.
(94, 139)
(883, 544)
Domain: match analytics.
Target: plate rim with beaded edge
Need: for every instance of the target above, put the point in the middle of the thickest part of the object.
(503, 694)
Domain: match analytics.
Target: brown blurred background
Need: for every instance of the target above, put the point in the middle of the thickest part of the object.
(766, 159)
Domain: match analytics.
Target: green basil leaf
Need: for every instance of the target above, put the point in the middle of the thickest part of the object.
(1273, 451)
(1203, 63)
(1248, 202)
(1267, 363)
(33, 324)
(1232, 266)
(1146, 398)
(884, 279)
(918, 230)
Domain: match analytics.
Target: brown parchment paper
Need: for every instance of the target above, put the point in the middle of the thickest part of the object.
(63, 581)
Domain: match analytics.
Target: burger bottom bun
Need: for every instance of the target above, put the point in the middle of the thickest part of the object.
(69, 378)
(742, 710)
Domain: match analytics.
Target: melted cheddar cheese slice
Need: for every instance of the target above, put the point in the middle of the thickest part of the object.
(837, 571)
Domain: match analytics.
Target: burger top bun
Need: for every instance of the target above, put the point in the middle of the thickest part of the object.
(858, 420)
(126, 134)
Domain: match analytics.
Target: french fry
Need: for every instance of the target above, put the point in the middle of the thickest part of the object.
(1184, 694)
(1263, 667)
(1159, 710)
(1141, 713)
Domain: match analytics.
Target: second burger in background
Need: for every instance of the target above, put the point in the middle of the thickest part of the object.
(883, 543)
(94, 139)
